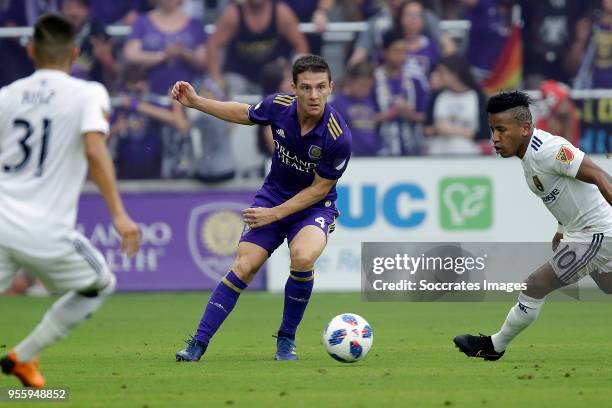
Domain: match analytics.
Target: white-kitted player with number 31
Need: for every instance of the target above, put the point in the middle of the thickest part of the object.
(52, 128)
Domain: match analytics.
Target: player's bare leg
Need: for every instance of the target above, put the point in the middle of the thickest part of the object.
(249, 259)
(304, 249)
(530, 301)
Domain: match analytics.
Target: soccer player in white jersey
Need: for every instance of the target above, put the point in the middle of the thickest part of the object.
(575, 190)
(52, 126)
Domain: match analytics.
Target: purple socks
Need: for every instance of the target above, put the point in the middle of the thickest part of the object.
(297, 293)
(221, 302)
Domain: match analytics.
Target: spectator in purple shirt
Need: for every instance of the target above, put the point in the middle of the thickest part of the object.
(490, 24)
(423, 52)
(136, 127)
(401, 99)
(355, 102)
(169, 45)
(369, 42)
(296, 201)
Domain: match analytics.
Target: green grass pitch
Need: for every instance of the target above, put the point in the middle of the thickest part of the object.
(124, 356)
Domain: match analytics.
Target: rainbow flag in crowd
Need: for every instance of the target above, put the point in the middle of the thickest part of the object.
(508, 70)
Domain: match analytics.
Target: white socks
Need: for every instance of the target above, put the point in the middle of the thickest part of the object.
(67, 312)
(520, 316)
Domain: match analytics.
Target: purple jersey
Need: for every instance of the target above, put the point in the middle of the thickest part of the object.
(161, 77)
(326, 149)
(360, 114)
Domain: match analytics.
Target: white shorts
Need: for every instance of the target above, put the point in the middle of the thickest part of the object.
(68, 263)
(573, 260)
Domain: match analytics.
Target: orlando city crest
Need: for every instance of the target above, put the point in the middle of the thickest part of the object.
(314, 152)
(214, 231)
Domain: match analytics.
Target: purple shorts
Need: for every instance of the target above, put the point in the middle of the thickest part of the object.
(271, 236)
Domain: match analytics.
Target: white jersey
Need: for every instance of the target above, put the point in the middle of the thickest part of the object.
(42, 160)
(550, 165)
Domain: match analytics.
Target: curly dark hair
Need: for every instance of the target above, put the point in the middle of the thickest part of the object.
(515, 101)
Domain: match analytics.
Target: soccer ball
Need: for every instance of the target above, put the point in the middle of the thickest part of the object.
(348, 338)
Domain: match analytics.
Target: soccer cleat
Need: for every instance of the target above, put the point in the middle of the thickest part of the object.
(477, 346)
(193, 351)
(285, 349)
(27, 373)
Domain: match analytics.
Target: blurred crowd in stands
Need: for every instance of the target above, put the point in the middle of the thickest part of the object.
(407, 86)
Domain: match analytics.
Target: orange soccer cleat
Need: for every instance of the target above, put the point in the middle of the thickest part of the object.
(27, 373)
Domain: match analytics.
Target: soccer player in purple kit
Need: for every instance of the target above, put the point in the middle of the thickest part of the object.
(296, 201)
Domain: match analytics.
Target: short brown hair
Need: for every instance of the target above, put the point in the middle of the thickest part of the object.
(53, 39)
(310, 63)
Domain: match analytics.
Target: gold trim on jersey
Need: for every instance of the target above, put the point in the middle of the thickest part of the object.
(333, 126)
(284, 100)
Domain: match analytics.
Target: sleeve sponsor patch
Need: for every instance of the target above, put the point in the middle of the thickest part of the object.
(565, 155)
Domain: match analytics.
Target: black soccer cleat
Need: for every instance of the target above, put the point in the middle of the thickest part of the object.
(477, 346)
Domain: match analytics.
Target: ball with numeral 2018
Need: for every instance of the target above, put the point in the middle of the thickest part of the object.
(348, 338)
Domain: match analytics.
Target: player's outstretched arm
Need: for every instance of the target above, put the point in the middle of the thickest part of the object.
(589, 172)
(234, 112)
(102, 173)
(258, 217)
